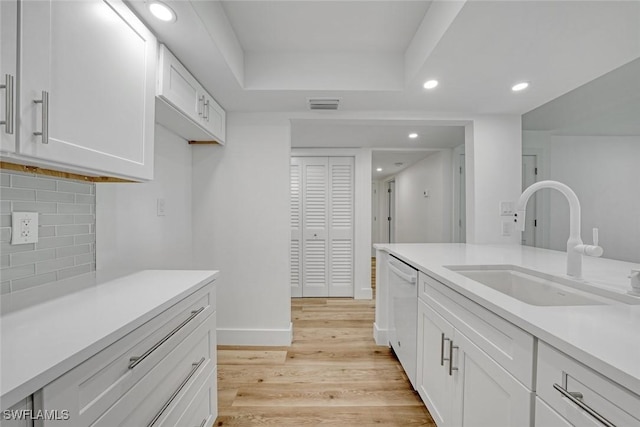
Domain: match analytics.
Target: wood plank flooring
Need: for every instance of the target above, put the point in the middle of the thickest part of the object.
(333, 374)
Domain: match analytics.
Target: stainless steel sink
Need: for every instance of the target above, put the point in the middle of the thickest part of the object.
(540, 289)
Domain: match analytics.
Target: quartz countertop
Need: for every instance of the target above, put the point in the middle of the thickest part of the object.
(604, 337)
(48, 331)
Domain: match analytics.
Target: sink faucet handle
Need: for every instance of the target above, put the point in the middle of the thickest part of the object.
(595, 236)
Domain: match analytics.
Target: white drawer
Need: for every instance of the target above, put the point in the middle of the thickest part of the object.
(556, 370)
(155, 396)
(507, 344)
(198, 407)
(88, 390)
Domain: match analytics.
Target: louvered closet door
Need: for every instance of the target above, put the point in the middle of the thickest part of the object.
(296, 227)
(315, 204)
(341, 183)
(322, 216)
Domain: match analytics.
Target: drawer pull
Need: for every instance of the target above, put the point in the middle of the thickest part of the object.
(203, 422)
(575, 398)
(194, 368)
(135, 360)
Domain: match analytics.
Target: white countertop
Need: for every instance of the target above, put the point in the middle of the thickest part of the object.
(603, 337)
(42, 340)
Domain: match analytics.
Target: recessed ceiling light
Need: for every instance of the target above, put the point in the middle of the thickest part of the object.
(519, 86)
(413, 135)
(430, 84)
(162, 11)
(379, 170)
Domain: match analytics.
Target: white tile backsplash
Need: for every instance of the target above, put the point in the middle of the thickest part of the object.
(66, 244)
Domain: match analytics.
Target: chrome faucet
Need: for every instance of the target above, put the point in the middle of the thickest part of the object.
(575, 247)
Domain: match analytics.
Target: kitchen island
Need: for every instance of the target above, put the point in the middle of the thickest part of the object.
(604, 338)
(101, 335)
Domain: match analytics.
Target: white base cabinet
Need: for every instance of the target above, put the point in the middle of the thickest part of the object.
(572, 394)
(161, 374)
(460, 383)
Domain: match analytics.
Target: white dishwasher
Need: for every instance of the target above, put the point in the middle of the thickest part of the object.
(403, 314)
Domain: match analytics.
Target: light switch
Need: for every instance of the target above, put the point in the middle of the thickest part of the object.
(24, 227)
(507, 226)
(160, 207)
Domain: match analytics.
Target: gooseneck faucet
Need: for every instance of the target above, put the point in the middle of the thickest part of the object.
(575, 246)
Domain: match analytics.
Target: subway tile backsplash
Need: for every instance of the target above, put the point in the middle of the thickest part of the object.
(66, 234)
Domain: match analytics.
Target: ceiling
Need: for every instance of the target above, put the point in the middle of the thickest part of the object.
(374, 55)
(392, 162)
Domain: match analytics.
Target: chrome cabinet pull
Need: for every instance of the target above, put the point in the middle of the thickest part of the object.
(45, 116)
(8, 104)
(200, 105)
(575, 398)
(203, 422)
(451, 347)
(442, 340)
(194, 368)
(135, 360)
(206, 110)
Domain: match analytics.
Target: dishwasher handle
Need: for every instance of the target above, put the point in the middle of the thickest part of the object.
(411, 278)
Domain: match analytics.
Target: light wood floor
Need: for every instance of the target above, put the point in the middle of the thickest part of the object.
(333, 374)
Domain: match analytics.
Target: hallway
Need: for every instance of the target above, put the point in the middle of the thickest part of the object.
(333, 374)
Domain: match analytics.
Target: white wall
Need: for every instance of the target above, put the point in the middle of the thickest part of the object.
(493, 151)
(129, 234)
(422, 219)
(603, 172)
(241, 227)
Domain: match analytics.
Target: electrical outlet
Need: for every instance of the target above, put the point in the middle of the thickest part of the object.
(24, 228)
(507, 227)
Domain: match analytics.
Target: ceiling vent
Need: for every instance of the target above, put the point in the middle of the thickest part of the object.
(323, 103)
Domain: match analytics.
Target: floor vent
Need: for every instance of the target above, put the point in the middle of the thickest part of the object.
(323, 103)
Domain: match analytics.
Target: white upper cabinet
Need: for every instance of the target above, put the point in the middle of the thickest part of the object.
(8, 58)
(184, 106)
(87, 86)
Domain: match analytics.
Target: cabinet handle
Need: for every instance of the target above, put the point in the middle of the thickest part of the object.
(135, 360)
(442, 340)
(206, 110)
(194, 368)
(575, 398)
(203, 422)
(45, 116)
(200, 105)
(8, 104)
(451, 347)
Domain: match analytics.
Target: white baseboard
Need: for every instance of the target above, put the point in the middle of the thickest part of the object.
(380, 336)
(257, 337)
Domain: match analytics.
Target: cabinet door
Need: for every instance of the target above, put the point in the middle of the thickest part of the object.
(485, 394)
(8, 58)
(97, 63)
(213, 116)
(178, 87)
(433, 382)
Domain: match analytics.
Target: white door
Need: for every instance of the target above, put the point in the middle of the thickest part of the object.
(315, 212)
(322, 217)
(296, 227)
(374, 217)
(391, 211)
(462, 203)
(433, 382)
(529, 176)
(341, 210)
(92, 65)
(8, 58)
(485, 394)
